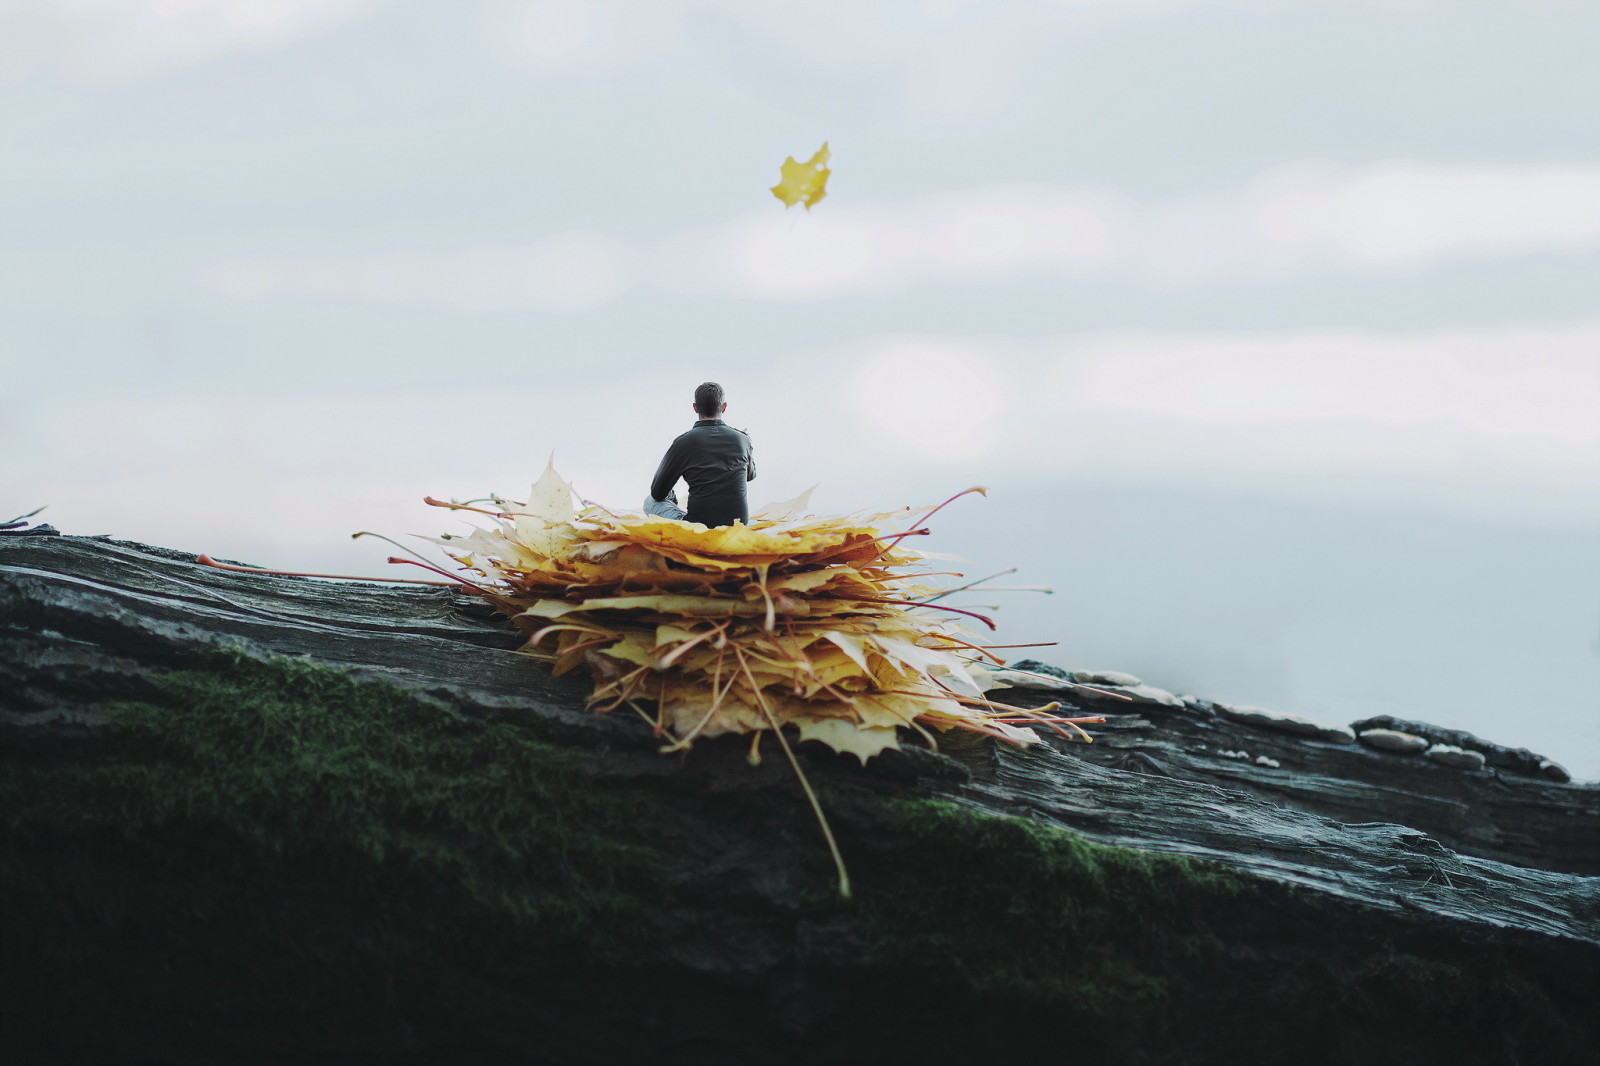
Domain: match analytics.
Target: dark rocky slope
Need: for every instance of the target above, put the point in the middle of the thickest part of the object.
(263, 820)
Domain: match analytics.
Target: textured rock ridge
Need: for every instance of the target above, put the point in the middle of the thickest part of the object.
(1512, 809)
(233, 800)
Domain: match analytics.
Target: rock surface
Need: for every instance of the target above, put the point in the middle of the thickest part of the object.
(1515, 760)
(1149, 897)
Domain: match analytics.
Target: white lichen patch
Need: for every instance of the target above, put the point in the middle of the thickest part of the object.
(1148, 694)
(1105, 677)
(1003, 678)
(1137, 691)
(1460, 758)
(1394, 740)
(1554, 771)
(1289, 723)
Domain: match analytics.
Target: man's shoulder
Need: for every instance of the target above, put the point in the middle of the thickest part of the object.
(709, 432)
(692, 438)
(711, 429)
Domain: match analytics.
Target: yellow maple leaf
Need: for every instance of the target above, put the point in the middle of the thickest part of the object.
(804, 183)
(848, 738)
(550, 499)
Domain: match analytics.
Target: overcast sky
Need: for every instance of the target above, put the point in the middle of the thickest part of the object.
(1276, 325)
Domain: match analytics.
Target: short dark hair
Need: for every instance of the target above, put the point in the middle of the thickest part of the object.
(708, 400)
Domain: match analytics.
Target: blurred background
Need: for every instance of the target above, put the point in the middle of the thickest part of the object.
(1273, 327)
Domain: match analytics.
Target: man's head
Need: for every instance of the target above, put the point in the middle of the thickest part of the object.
(708, 401)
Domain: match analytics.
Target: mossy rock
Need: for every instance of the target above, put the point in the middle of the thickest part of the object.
(274, 861)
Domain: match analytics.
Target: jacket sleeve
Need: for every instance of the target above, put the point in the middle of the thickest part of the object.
(749, 459)
(668, 473)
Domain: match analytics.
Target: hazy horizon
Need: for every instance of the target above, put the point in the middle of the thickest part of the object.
(1272, 327)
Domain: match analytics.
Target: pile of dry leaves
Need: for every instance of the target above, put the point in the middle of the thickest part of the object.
(816, 622)
(825, 624)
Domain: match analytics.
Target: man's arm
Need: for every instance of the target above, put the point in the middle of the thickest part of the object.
(749, 457)
(668, 473)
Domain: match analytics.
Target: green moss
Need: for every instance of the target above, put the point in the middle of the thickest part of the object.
(1144, 956)
(1044, 911)
(262, 840)
(287, 756)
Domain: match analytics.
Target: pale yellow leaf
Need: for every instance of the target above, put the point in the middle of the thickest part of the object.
(804, 183)
(552, 609)
(550, 499)
(846, 737)
(786, 509)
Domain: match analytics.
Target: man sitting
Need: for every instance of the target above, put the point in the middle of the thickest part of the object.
(714, 458)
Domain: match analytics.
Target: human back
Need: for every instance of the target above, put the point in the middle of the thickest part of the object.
(714, 458)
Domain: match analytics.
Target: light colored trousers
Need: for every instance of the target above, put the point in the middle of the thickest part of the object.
(667, 508)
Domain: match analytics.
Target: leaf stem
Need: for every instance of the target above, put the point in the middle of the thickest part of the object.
(811, 796)
(206, 560)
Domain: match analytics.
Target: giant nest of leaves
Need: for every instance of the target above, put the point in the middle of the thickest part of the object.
(819, 623)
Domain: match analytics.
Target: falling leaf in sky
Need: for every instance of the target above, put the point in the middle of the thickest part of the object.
(804, 183)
